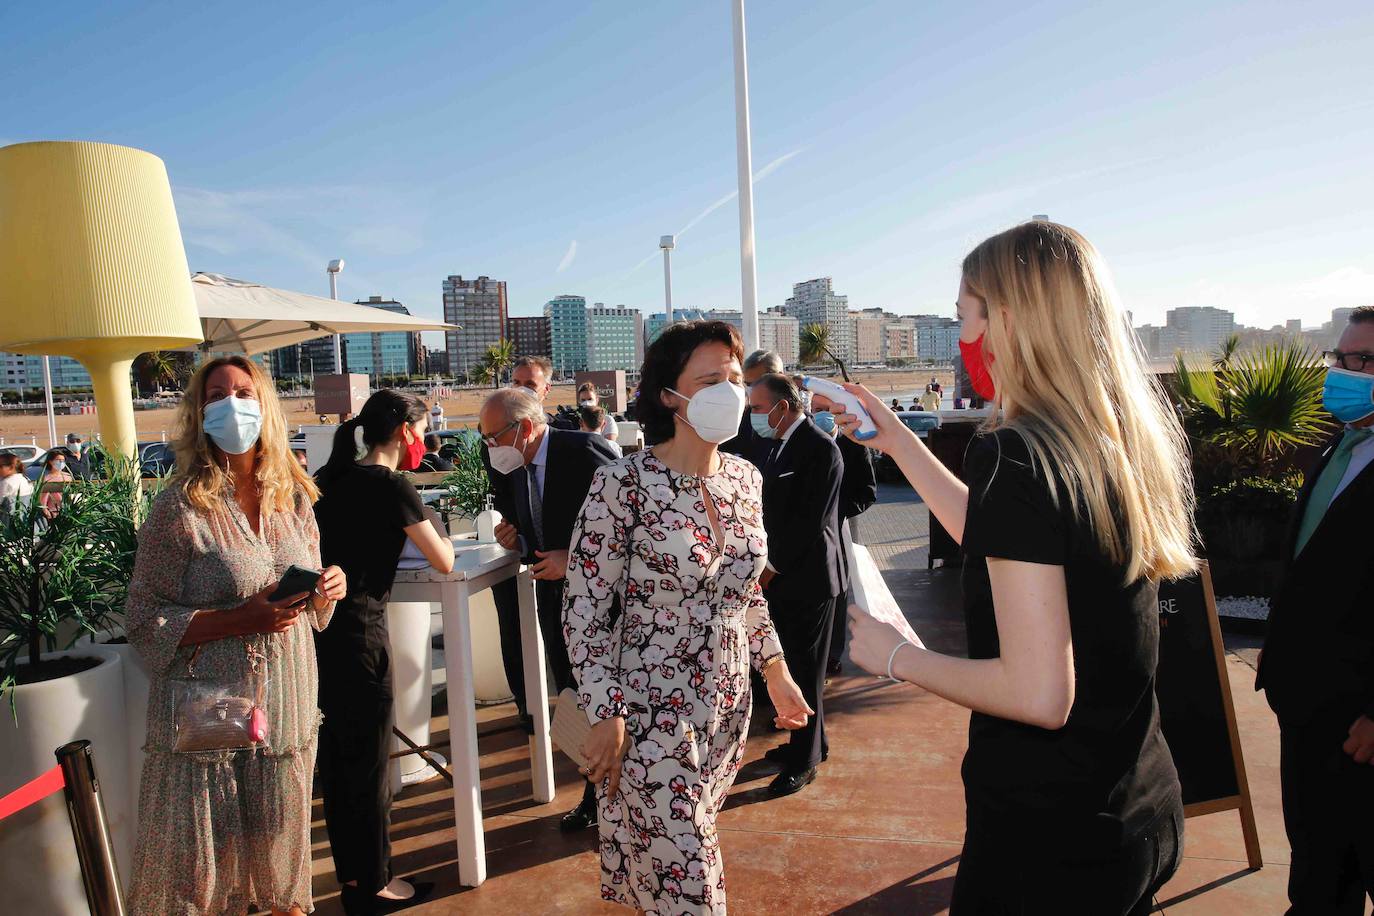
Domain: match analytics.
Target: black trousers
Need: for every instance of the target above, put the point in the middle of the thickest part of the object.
(548, 597)
(1005, 875)
(804, 629)
(354, 756)
(839, 630)
(1328, 812)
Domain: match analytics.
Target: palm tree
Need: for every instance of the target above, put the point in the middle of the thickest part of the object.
(497, 359)
(157, 367)
(481, 374)
(1253, 408)
(815, 347)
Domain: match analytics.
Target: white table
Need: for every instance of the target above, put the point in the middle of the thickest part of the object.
(476, 567)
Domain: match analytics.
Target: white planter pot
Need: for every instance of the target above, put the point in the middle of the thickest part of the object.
(488, 672)
(136, 722)
(407, 624)
(39, 872)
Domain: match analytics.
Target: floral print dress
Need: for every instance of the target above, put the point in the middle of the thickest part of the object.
(221, 831)
(675, 664)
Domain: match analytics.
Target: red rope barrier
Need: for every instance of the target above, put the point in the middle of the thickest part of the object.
(32, 791)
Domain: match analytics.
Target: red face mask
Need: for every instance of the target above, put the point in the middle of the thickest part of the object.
(975, 361)
(415, 450)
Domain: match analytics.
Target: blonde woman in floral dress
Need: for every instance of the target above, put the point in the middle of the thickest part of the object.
(229, 831)
(677, 533)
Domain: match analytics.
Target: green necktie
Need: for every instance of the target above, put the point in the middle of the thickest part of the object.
(1325, 488)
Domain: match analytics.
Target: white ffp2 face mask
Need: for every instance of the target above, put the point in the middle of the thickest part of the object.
(714, 411)
(506, 459)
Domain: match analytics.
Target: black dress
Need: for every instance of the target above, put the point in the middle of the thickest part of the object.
(1086, 818)
(362, 515)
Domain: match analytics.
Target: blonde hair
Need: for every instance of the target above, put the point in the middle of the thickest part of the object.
(205, 480)
(1072, 381)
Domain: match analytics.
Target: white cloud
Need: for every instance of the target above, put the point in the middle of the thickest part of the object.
(568, 257)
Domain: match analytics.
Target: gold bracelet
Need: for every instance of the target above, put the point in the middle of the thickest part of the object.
(770, 663)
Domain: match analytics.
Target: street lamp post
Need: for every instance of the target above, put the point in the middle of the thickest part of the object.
(667, 243)
(334, 267)
(744, 157)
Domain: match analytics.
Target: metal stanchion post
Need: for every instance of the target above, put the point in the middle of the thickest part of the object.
(90, 830)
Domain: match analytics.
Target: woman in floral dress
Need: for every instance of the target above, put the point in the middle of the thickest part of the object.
(677, 533)
(226, 831)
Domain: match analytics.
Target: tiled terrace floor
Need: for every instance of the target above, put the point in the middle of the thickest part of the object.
(878, 832)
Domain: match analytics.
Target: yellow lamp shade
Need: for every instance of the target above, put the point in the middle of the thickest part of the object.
(92, 265)
(91, 253)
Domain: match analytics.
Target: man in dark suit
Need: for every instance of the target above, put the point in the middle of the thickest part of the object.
(547, 475)
(433, 462)
(748, 444)
(858, 491)
(1317, 666)
(802, 472)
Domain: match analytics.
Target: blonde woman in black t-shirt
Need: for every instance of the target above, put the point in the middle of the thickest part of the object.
(366, 513)
(1076, 502)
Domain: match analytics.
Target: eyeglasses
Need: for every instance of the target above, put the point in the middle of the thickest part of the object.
(1351, 362)
(491, 440)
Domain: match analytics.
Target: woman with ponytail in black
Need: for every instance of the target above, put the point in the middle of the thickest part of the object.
(366, 512)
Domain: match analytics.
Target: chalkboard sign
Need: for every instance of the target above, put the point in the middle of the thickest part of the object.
(1195, 709)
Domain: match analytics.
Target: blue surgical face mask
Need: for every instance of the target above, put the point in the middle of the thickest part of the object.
(825, 420)
(761, 425)
(1349, 396)
(233, 424)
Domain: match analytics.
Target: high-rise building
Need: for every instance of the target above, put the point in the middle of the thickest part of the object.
(655, 323)
(615, 338)
(899, 341)
(1199, 328)
(781, 334)
(382, 353)
(1293, 326)
(20, 371)
(937, 338)
(479, 308)
(816, 302)
(436, 361)
(529, 335)
(567, 333)
(868, 335)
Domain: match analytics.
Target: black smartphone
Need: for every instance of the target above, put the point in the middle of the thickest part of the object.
(295, 581)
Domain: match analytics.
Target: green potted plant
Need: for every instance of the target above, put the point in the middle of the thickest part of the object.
(465, 487)
(1245, 414)
(65, 574)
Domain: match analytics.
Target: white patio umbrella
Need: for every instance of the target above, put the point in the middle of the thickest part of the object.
(238, 316)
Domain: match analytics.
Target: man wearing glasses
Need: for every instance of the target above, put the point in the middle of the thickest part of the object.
(539, 478)
(1317, 667)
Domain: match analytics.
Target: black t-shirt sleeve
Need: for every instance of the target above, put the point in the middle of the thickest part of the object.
(407, 505)
(1010, 513)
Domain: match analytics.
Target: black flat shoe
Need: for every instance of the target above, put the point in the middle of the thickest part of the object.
(360, 903)
(791, 783)
(579, 818)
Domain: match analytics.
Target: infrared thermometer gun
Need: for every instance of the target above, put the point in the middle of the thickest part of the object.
(849, 402)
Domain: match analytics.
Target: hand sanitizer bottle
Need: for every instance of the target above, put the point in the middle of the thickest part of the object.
(486, 523)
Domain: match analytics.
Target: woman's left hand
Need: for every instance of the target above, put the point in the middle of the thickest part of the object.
(333, 584)
(871, 641)
(792, 709)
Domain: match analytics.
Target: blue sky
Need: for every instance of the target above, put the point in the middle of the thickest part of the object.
(1218, 154)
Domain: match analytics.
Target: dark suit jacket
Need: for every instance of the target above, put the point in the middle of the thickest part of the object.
(1318, 660)
(748, 444)
(859, 488)
(801, 502)
(572, 462)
